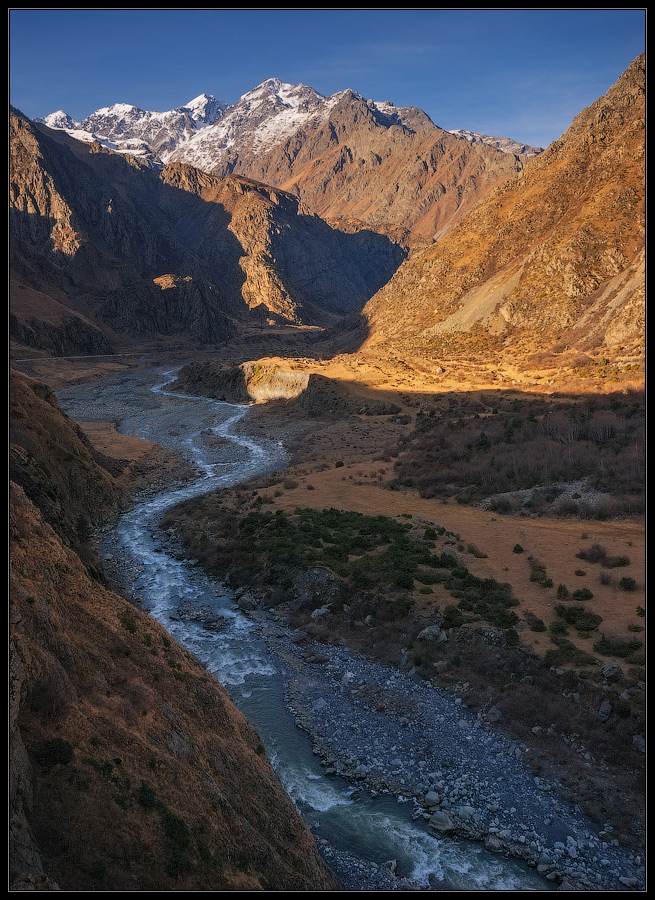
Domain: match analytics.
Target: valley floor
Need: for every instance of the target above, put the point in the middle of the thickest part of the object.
(344, 460)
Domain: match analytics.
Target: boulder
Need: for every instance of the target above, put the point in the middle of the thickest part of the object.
(440, 823)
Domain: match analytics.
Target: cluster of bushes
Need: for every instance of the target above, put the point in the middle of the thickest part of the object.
(376, 556)
(579, 617)
(369, 550)
(616, 647)
(498, 445)
(493, 601)
(598, 554)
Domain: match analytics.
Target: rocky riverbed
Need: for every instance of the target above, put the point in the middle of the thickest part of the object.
(389, 732)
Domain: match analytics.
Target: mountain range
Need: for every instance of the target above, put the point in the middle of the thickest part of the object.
(339, 154)
(293, 208)
(205, 129)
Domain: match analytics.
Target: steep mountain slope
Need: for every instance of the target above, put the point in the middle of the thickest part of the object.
(103, 246)
(53, 462)
(551, 260)
(130, 767)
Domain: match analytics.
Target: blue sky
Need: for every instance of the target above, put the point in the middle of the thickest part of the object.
(517, 73)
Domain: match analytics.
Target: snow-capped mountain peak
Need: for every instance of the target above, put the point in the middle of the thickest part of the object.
(59, 119)
(205, 109)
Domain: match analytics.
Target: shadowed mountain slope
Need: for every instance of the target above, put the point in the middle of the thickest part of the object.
(106, 251)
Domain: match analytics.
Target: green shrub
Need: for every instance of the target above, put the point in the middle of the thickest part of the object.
(178, 839)
(453, 617)
(146, 796)
(129, 622)
(567, 654)
(628, 584)
(511, 637)
(579, 617)
(614, 647)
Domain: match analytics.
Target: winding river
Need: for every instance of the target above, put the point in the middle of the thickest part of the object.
(373, 828)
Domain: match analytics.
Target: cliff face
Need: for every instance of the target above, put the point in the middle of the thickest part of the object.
(103, 244)
(130, 767)
(552, 258)
(289, 261)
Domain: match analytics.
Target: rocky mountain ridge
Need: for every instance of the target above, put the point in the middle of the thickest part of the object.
(345, 156)
(507, 145)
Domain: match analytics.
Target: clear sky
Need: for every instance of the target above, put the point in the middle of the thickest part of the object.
(519, 73)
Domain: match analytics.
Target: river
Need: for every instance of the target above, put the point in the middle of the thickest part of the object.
(366, 826)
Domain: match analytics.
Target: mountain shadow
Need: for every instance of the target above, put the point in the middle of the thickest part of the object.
(143, 254)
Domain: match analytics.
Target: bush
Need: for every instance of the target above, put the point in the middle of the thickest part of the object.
(511, 637)
(628, 584)
(517, 548)
(567, 653)
(615, 562)
(178, 839)
(614, 647)
(579, 617)
(452, 617)
(146, 796)
(129, 622)
(55, 752)
(582, 594)
(596, 553)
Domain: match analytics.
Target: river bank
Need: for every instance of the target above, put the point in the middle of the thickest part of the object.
(388, 733)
